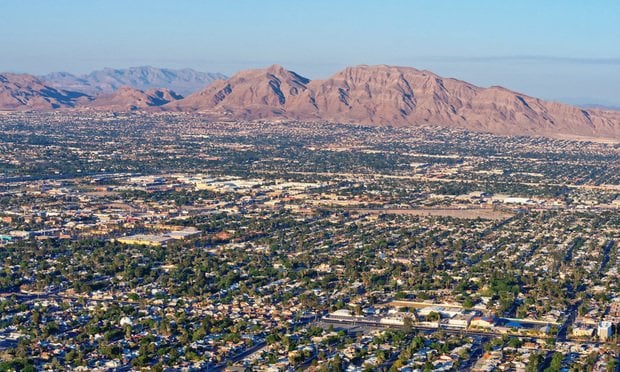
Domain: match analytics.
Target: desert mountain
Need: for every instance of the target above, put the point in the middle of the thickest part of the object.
(251, 94)
(26, 92)
(184, 81)
(399, 96)
(127, 99)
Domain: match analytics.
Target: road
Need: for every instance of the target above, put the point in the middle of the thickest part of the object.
(25, 297)
(605, 259)
(423, 178)
(371, 325)
(476, 352)
(546, 360)
(375, 325)
(571, 314)
(61, 176)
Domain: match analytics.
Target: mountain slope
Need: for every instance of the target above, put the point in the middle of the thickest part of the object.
(184, 81)
(128, 99)
(256, 93)
(400, 96)
(26, 92)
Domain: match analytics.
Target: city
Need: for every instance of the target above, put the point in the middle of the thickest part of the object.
(168, 240)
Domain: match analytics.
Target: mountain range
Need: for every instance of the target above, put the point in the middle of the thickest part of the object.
(398, 96)
(184, 81)
(371, 95)
(26, 92)
(23, 92)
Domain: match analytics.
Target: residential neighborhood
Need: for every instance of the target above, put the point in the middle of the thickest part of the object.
(170, 242)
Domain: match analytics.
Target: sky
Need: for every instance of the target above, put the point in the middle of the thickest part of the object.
(565, 50)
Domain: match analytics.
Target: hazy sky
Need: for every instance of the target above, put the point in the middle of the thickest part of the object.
(566, 50)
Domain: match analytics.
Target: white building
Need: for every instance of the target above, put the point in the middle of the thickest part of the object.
(604, 330)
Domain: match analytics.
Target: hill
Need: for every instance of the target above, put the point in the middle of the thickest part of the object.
(129, 99)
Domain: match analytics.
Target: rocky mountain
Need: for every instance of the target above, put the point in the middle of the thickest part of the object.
(251, 94)
(128, 99)
(26, 92)
(184, 81)
(399, 96)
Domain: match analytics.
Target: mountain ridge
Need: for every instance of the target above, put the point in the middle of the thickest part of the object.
(393, 95)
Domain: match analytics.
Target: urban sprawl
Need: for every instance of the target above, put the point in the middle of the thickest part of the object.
(173, 242)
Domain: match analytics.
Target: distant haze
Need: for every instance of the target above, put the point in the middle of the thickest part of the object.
(564, 50)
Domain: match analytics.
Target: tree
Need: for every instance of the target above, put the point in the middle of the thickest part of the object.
(534, 362)
(468, 303)
(428, 366)
(397, 365)
(36, 317)
(433, 316)
(408, 323)
(556, 362)
(337, 364)
(515, 342)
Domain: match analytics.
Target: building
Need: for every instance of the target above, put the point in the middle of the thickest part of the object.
(605, 330)
(460, 320)
(144, 239)
(583, 331)
(483, 322)
(443, 311)
(341, 314)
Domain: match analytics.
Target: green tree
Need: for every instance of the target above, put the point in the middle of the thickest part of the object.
(556, 362)
(533, 362)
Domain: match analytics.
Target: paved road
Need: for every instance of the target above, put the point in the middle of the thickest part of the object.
(54, 295)
(376, 325)
(605, 259)
(445, 180)
(571, 314)
(476, 352)
(546, 360)
(61, 176)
